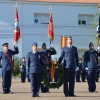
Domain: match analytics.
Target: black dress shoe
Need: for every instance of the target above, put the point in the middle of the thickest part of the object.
(33, 95)
(72, 95)
(4, 92)
(83, 81)
(97, 81)
(66, 95)
(10, 92)
(95, 91)
(37, 96)
(91, 91)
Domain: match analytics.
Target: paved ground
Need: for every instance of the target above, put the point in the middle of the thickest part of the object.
(22, 92)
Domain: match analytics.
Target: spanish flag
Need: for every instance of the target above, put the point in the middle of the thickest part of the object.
(16, 27)
(63, 41)
(50, 28)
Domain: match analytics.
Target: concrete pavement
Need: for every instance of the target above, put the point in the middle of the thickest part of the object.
(22, 92)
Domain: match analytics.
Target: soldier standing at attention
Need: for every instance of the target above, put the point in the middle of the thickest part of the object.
(46, 58)
(34, 66)
(7, 66)
(22, 67)
(70, 56)
(91, 61)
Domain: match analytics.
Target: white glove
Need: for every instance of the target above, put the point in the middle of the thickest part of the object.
(99, 69)
(47, 68)
(77, 68)
(51, 46)
(20, 66)
(86, 68)
(98, 48)
(56, 66)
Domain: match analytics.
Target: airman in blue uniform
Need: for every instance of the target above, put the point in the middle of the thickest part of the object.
(46, 58)
(7, 66)
(22, 67)
(91, 60)
(34, 65)
(70, 55)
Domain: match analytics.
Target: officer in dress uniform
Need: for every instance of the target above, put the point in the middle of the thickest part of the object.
(46, 58)
(34, 65)
(78, 72)
(7, 66)
(70, 55)
(22, 67)
(91, 60)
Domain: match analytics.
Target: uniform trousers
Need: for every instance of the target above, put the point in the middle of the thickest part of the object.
(91, 78)
(70, 78)
(6, 80)
(35, 80)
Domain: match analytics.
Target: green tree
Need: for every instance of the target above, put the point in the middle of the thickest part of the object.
(95, 21)
(16, 66)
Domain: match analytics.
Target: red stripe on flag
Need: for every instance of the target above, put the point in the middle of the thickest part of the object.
(16, 28)
(50, 28)
(61, 42)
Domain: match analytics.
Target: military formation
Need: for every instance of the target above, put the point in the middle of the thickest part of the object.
(31, 66)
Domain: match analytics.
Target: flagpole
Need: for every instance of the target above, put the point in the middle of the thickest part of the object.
(50, 39)
(16, 6)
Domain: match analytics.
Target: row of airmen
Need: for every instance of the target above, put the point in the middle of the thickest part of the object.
(36, 60)
(81, 73)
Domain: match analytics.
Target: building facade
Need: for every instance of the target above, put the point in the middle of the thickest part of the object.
(69, 18)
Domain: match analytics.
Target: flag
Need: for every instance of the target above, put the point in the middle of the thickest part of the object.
(50, 28)
(16, 27)
(63, 41)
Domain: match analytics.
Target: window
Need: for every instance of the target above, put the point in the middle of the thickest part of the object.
(81, 22)
(85, 19)
(41, 18)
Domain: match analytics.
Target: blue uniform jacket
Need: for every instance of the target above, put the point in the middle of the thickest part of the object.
(6, 65)
(34, 62)
(91, 59)
(47, 54)
(70, 56)
(23, 68)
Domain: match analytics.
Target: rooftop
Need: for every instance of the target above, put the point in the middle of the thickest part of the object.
(63, 1)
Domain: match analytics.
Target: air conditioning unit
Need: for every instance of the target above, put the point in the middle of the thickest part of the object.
(37, 21)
